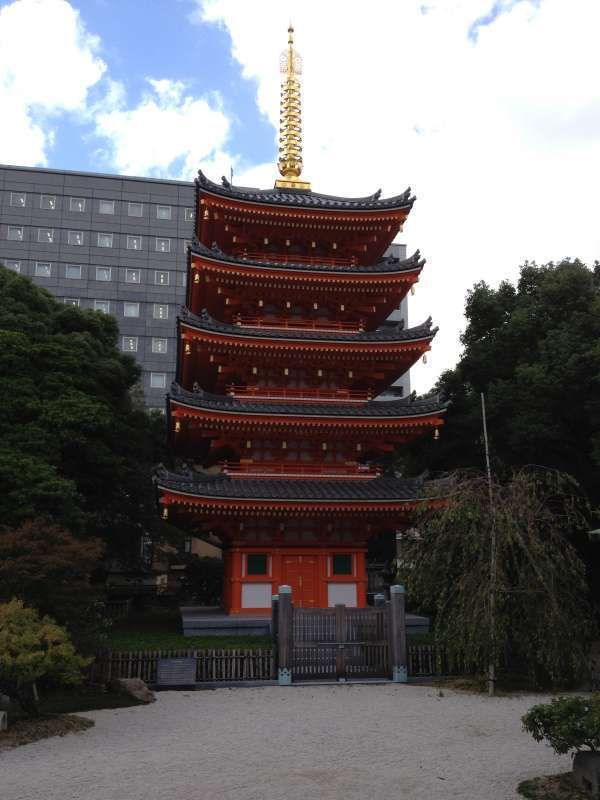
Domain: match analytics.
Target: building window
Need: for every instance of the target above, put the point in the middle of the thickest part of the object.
(158, 380)
(189, 215)
(256, 564)
(161, 278)
(48, 202)
(102, 305)
(14, 266)
(106, 207)
(341, 564)
(73, 271)
(163, 212)
(15, 233)
(159, 345)
(77, 204)
(105, 240)
(186, 244)
(131, 309)
(71, 301)
(103, 273)
(75, 237)
(130, 344)
(161, 311)
(163, 245)
(43, 269)
(18, 199)
(135, 209)
(133, 276)
(134, 242)
(46, 235)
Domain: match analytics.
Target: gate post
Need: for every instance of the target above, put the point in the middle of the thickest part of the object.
(284, 636)
(398, 634)
(275, 629)
(340, 637)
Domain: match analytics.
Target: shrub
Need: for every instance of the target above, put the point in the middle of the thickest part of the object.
(567, 723)
(33, 647)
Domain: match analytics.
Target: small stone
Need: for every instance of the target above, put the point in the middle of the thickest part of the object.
(136, 687)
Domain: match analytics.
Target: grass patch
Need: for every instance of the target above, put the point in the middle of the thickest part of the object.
(160, 629)
(25, 731)
(551, 787)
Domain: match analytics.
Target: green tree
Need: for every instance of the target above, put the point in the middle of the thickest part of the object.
(47, 567)
(34, 647)
(534, 349)
(567, 723)
(540, 623)
(74, 449)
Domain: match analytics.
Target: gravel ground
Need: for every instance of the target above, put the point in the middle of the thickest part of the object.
(296, 743)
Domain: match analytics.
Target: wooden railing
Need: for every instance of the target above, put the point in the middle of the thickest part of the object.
(308, 395)
(295, 258)
(267, 469)
(222, 666)
(287, 323)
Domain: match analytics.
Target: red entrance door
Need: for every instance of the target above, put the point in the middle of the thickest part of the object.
(300, 572)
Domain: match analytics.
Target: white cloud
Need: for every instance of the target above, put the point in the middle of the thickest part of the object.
(48, 62)
(167, 134)
(499, 137)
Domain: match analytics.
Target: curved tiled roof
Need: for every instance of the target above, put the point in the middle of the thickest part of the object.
(224, 487)
(306, 198)
(406, 407)
(386, 264)
(388, 333)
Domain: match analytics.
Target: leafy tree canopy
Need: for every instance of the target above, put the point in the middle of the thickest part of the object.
(74, 449)
(33, 647)
(534, 349)
(540, 622)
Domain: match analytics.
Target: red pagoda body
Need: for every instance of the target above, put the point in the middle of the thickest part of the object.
(283, 348)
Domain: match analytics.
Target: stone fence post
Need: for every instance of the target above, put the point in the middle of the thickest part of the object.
(398, 634)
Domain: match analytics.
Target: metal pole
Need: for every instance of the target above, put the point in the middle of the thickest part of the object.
(492, 599)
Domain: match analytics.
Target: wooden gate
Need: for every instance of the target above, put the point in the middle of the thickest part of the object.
(339, 643)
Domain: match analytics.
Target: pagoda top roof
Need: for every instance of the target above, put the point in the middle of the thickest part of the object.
(222, 486)
(385, 264)
(404, 407)
(387, 333)
(305, 198)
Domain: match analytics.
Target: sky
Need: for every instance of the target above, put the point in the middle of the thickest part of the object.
(488, 109)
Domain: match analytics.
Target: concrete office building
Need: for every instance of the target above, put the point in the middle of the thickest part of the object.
(114, 244)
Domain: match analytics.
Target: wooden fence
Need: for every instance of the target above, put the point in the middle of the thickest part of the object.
(235, 665)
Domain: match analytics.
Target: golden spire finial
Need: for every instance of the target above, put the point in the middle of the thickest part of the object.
(290, 124)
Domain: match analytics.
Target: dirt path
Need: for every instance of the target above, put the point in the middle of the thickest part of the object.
(297, 743)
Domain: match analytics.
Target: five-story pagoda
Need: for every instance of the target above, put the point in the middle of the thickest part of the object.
(283, 348)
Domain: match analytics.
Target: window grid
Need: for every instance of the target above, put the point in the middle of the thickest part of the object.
(105, 240)
(48, 202)
(131, 309)
(133, 276)
(189, 215)
(13, 265)
(71, 301)
(102, 305)
(161, 311)
(73, 271)
(134, 242)
(103, 273)
(45, 235)
(163, 212)
(43, 269)
(15, 233)
(162, 245)
(158, 380)
(18, 199)
(106, 207)
(75, 238)
(135, 209)
(159, 345)
(77, 204)
(161, 277)
(130, 344)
